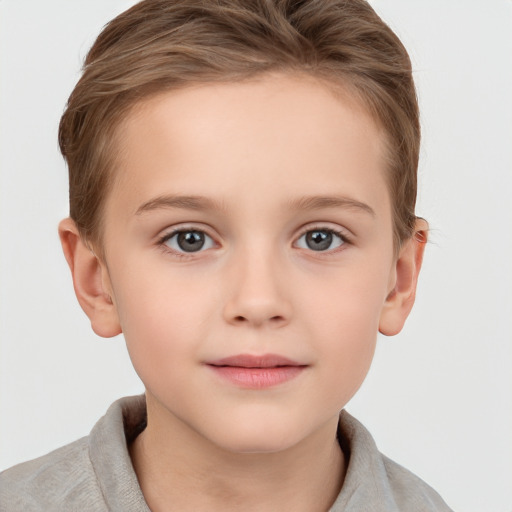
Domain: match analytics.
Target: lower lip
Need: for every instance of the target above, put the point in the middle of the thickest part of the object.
(257, 378)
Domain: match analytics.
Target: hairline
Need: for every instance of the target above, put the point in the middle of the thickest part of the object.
(339, 85)
(342, 86)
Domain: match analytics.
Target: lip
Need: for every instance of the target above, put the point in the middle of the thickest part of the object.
(256, 371)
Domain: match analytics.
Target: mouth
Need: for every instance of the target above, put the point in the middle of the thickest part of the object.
(256, 372)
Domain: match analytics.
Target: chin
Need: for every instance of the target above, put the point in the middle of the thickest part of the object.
(258, 438)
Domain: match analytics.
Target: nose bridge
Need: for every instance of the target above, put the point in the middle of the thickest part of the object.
(258, 292)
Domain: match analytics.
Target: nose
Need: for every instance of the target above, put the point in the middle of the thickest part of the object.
(258, 292)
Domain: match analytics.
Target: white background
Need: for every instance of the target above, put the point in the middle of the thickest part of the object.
(438, 398)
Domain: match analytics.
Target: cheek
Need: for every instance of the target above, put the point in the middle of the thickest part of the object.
(163, 316)
(344, 320)
(346, 354)
(346, 302)
(350, 334)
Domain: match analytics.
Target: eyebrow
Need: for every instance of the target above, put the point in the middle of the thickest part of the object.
(182, 202)
(201, 203)
(320, 202)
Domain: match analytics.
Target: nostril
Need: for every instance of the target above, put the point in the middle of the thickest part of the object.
(273, 319)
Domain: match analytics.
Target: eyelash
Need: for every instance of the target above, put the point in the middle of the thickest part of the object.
(161, 242)
(342, 235)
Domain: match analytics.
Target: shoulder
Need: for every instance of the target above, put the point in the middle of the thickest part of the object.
(374, 482)
(61, 480)
(409, 491)
(93, 473)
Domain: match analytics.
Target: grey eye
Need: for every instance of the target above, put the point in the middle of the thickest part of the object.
(189, 241)
(320, 240)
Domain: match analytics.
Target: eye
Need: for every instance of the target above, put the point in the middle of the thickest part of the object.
(321, 240)
(188, 240)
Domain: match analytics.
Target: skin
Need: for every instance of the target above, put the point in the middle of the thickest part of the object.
(256, 153)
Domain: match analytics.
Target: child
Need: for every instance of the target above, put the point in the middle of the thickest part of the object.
(242, 192)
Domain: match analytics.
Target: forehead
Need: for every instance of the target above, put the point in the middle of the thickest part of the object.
(276, 132)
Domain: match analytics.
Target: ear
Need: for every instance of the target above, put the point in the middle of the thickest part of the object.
(90, 280)
(403, 282)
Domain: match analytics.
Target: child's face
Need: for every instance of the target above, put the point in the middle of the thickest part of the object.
(284, 247)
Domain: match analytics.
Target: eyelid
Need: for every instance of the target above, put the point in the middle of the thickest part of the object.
(345, 235)
(172, 231)
(342, 232)
(168, 232)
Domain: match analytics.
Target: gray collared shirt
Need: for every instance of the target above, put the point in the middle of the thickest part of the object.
(95, 473)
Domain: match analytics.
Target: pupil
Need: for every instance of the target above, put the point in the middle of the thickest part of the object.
(319, 240)
(191, 241)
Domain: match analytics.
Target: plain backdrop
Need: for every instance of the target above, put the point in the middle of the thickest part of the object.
(438, 397)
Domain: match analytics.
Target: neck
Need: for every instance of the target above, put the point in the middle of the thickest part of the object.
(180, 470)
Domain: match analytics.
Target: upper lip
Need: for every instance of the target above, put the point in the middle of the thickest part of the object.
(255, 361)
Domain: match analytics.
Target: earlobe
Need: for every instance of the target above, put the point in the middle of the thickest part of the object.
(90, 280)
(405, 274)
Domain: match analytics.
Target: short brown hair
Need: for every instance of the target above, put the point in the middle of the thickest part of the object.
(160, 45)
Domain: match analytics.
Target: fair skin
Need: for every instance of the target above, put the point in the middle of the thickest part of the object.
(246, 219)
